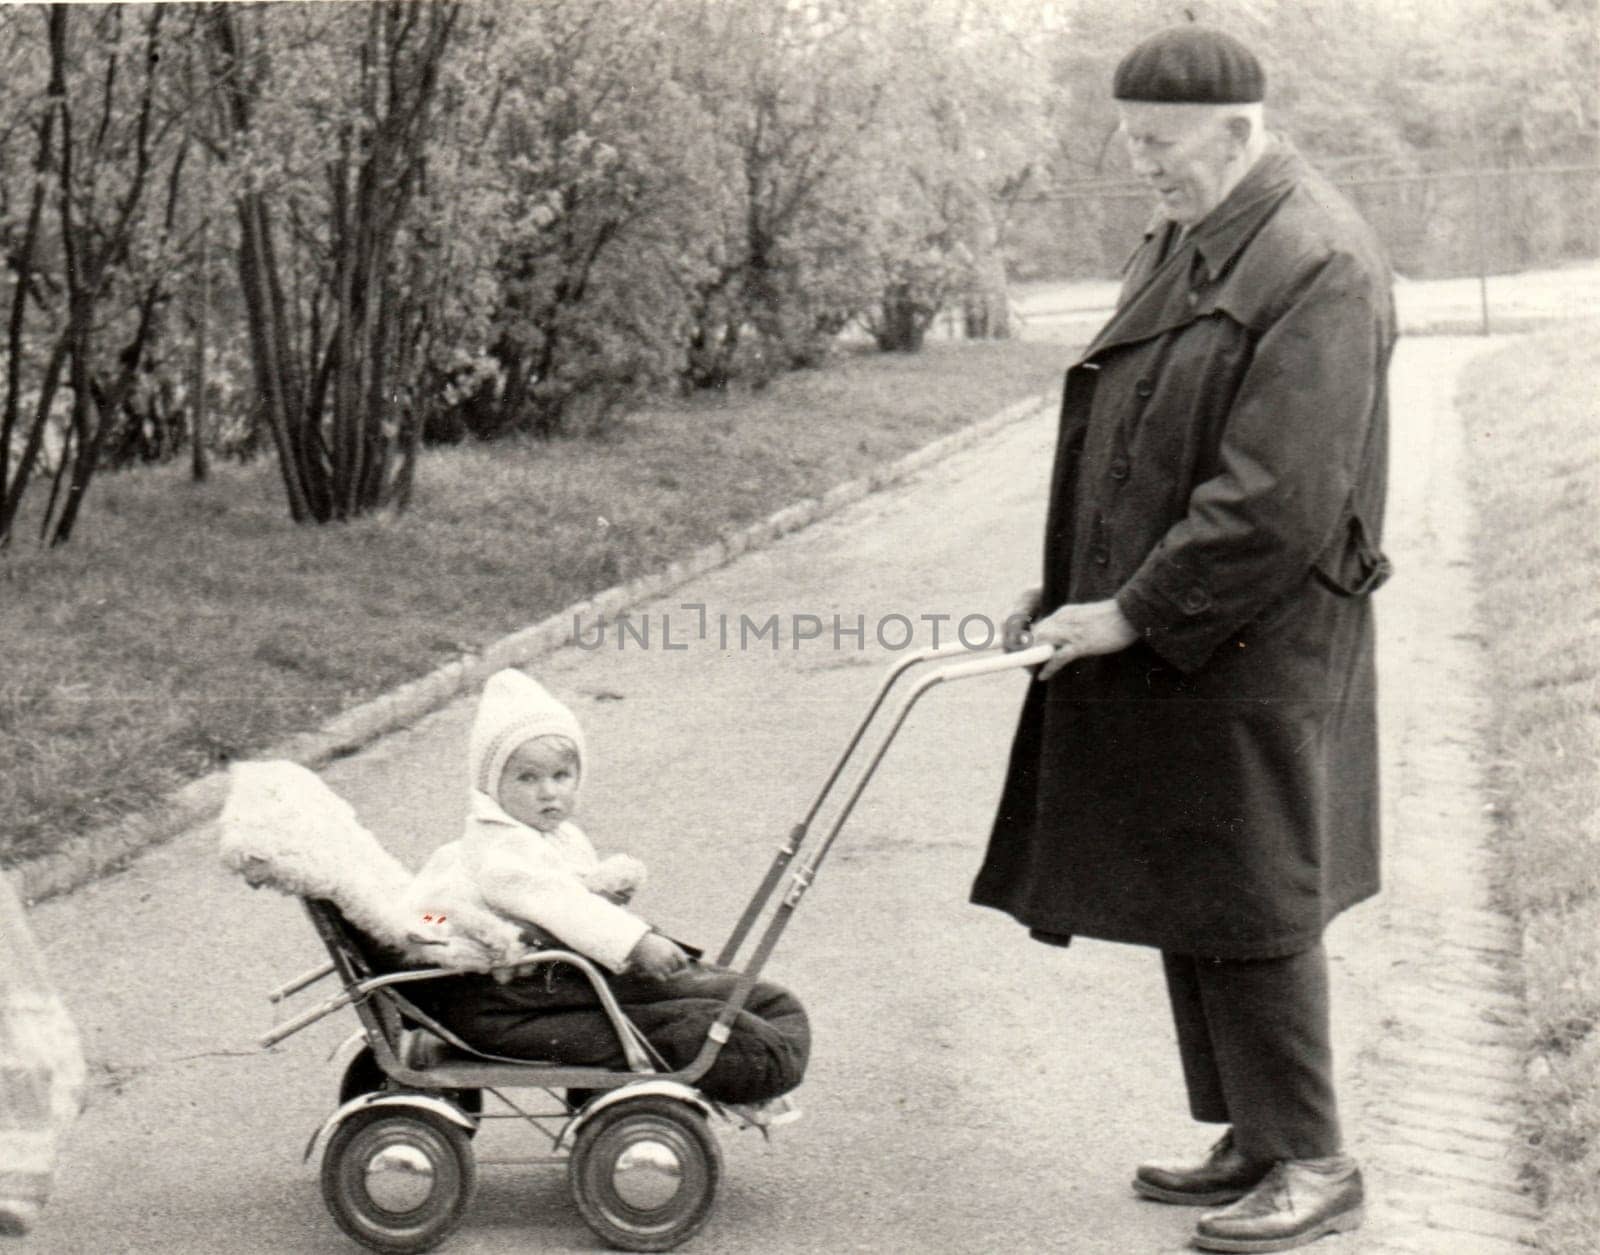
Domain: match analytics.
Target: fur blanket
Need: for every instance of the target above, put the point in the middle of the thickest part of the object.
(283, 827)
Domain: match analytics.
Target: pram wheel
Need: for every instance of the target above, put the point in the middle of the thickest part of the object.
(364, 1076)
(398, 1180)
(645, 1172)
(361, 1076)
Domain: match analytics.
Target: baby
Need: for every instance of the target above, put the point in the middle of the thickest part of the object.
(523, 867)
(525, 872)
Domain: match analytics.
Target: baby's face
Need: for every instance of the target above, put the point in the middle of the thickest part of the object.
(539, 784)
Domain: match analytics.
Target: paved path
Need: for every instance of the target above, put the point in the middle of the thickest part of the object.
(1439, 1075)
(972, 1092)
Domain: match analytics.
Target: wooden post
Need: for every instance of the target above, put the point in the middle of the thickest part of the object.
(42, 1071)
(1478, 231)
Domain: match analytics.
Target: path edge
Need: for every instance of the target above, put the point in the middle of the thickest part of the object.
(111, 848)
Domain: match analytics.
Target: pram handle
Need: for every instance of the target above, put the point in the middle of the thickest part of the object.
(797, 834)
(986, 663)
(972, 663)
(896, 669)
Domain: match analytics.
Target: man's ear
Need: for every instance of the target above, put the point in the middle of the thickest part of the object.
(1240, 129)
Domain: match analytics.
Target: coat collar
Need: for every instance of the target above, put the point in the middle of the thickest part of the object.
(486, 816)
(483, 809)
(1160, 295)
(1220, 235)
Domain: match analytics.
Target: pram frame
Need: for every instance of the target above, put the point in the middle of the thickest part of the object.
(382, 1008)
(358, 988)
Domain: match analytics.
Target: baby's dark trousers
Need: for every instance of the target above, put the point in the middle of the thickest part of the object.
(553, 1015)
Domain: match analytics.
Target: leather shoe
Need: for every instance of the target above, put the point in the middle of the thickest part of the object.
(1221, 1177)
(1298, 1201)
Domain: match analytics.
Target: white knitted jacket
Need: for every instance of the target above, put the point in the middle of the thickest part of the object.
(502, 875)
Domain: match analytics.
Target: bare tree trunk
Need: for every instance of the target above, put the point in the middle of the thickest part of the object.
(334, 436)
(903, 323)
(105, 407)
(81, 439)
(93, 250)
(59, 474)
(30, 452)
(276, 378)
(271, 368)
(199, 468)
(11, 489)
(199, 462)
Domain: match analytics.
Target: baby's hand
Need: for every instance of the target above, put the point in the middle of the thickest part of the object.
(655, 955)
(620, 874)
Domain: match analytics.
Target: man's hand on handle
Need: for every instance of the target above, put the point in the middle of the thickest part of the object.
(1079, 630)
(1016, 630)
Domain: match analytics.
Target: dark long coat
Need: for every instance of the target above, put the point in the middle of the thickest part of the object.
(1220, 471)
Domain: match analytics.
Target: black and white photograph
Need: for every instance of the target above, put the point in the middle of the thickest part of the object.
(800, 627)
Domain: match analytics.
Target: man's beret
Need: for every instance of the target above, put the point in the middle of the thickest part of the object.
(1191, 65)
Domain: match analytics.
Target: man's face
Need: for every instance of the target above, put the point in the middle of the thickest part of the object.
(1186, 153)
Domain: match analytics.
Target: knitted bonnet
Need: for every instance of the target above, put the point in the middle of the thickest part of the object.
(514, 709)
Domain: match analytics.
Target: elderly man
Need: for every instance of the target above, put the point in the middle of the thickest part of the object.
(1197, 769)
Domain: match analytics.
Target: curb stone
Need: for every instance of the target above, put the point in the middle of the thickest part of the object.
(91, 855)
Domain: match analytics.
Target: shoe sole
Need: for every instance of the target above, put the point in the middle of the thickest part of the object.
(1185, 1198)
(1344, 1222)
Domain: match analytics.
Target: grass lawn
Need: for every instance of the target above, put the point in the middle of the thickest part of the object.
(189, 624)
(1533, 411)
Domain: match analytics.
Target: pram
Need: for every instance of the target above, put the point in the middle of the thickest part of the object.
(396, 1157)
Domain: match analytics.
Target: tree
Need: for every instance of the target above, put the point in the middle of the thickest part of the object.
(604, 231)
(970, 116)
(328, 112)
(98, 267)
(790, 91)
(24, 248)
(1369, 88)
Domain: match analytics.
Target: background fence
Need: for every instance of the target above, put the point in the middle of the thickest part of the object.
(1453, 221)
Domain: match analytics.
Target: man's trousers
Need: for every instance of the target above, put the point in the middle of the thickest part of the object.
(1254, 1039)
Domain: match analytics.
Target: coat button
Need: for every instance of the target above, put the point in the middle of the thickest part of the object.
(1119, 468)
(1195, 600)
(1101, 555)
(1194, 297)
(1144, 388)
